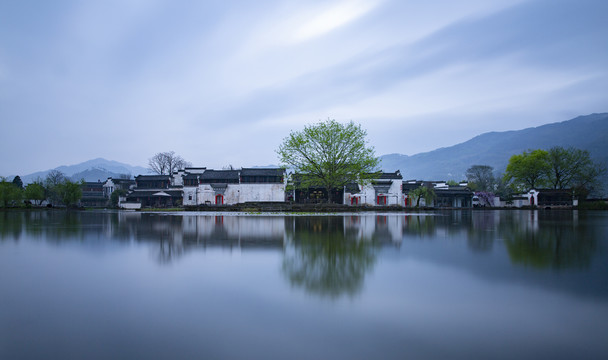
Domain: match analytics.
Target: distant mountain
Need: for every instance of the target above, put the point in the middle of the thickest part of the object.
(588, 132)
(92, 170)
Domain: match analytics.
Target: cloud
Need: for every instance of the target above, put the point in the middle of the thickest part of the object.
(149, 76)
(333, 17)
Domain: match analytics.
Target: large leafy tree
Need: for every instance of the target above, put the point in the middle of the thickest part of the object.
(481, 177)
(330, 155)
(35, 191)
(528, 170)
(573, 168)
(557, 168)
(165, 163)
(10, 194)
(69, 192)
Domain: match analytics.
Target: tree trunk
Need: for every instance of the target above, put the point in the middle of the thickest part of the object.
(329, 200)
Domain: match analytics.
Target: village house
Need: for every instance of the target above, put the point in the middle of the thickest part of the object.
(385, 190)
(446, 195)
(155, 191)
(111, 185)
(228, 187)
(541, 198)
(93, 194)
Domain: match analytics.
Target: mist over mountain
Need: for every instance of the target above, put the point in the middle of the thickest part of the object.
(91, 170)
(588, 132)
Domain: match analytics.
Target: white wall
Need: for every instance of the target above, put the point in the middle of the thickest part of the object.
(368, 195)
(234, 194)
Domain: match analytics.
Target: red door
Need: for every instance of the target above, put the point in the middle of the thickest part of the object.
(219, 199)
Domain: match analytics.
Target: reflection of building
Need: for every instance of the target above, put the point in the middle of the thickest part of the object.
(382, 228)
(240, 231)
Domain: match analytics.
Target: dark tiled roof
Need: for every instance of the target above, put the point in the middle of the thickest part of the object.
(389, 175)
(152, 177)
(123, 181)
(220, 175)
(453, 190)
(262, 172)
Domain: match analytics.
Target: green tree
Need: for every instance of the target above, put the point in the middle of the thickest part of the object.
(330, 155)
(115, 195)
(69, 192)
(573, 168)
(481, 177)
(53, 179)
(528, 170)
(35, 191)
(18, 182)
(10, 195)
(423, 192)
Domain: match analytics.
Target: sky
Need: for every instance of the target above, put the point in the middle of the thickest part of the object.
(224, 82)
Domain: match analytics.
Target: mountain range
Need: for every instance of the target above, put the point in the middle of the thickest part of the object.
(588, 132)
(92, 170)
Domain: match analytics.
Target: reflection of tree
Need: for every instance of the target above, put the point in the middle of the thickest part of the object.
(327, 260)
(420, 225)
(481, 230)
(11, 223)
(557, 242)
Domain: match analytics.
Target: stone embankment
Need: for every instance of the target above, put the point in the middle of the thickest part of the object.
(286, 207)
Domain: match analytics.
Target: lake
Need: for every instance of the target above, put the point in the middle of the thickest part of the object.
(465, 284)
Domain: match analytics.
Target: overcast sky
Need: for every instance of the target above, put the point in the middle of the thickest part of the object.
(223, 82)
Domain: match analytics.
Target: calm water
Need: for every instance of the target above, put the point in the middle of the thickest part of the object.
(454, 285)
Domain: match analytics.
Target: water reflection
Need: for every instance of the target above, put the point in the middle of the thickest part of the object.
(320, 249)
(524, 284)
(549, 240)
(329, 256)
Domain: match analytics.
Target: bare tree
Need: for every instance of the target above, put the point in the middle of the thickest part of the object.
(52, 184)
(164, 163)
(482, 177)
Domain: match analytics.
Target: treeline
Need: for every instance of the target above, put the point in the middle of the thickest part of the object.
(557, 168)
(56, 188)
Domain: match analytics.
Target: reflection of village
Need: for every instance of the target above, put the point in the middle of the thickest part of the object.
(182, 232)
(325, 255)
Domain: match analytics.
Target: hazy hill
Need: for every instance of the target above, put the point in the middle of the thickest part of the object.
(92, 170)
(588, 132)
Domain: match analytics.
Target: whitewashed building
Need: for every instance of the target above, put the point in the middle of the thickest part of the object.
(383, 191)
(228, 187)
